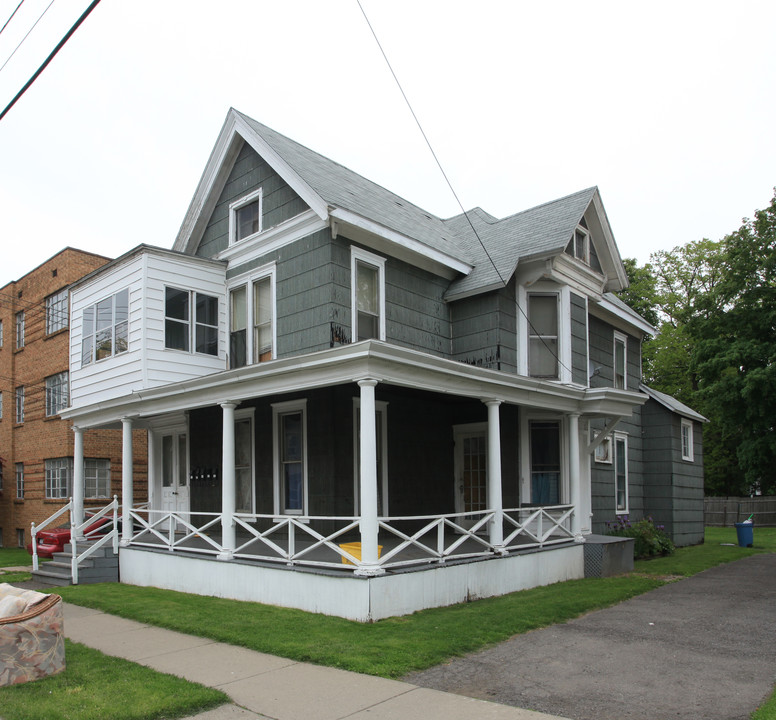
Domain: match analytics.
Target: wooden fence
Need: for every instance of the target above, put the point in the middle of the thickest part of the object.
(725, 511)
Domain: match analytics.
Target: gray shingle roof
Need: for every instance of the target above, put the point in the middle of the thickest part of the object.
(672, 404)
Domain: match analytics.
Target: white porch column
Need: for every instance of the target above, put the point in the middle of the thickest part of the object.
(574, 477)
(228, 484)
(78, 479)
(127, 482)
(368, 476)
(495, 503)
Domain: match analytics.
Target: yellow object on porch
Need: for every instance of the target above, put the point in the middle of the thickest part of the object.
(354, 549)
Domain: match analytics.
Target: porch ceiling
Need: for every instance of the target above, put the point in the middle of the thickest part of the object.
(350, 363)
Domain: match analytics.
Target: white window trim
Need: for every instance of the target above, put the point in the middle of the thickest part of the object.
(525, 457)
(1, 341)
(623, 437)
(620, 337)
(240, 203)
(249, 414)
(20, 329)
(246, 280)
(58, 465)
(606, 443)
(279, 409)
(586, 233)
(97, 460)
(689, 457)
(56, 318)
(381, 406)
(192, 323)
(57, 393)
(564, 328)
(358, 255)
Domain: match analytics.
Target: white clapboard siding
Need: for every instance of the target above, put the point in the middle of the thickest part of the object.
(145, 272)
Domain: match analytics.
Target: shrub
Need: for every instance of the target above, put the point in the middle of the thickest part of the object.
(651, 540)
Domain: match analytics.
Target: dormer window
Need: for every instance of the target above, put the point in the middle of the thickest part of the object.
(245, 217)
(579, 247)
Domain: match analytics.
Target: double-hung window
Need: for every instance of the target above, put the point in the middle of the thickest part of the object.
(543, 359)
(190, 320)
(621, 473)
(620, 361)
(105, 328)
(20, 404)
(252, 319)
(290, 440)
(19, 471)
(579, 246)
(687, 440)
(368, 295)
(59, 475)
(56, 393)
(245, 217)
(56, 312)
(20, 330)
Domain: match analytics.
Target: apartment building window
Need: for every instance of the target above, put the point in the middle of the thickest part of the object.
(96, 478)
(56, 393)
(620, 361)
(20, 537)
(1, 333)
(56, 312)
(105, 329)
(543, 336)
(20, 481)
(1, 478)
(252, 304)
(184, 310)
(20, 404)
(20, 330)
(1, 405)
(59, 474)
(368, 295)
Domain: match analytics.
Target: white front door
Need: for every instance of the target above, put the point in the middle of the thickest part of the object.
(471, 472)
(175, 472)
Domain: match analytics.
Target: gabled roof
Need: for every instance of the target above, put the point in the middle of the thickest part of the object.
(672, 404)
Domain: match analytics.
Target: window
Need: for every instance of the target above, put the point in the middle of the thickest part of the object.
(56, 393)
(620, 361)
(603, 452)
(687, 440)
(252, 305)
(59, 474)
(1, 333)
(1, 405)
(1, 478)
(20, 481)
(543, 336)
(579, 245)
(96, 478)
(20, 330)
(545, 462)
(368, 295)
(105, 329)
(621, 472)
(56, 312)
(178, 321)
(245, 217)
(290, 436)
(20, 404)
(20, 537)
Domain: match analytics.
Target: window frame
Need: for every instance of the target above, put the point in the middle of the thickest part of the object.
(191, 322)
(687, 425)
(57, 318)
(621, 439)
(115, 336)
(1, 333)
(20, 331)
(533, 335)
(247, 282)
(603, 452)
(19, 477)
(620, 339)
(19, 398)
(279, 411)
(54, 469)
(358, 257)
(57, 393)
(1, 404)
(96, 480)
(255, 196)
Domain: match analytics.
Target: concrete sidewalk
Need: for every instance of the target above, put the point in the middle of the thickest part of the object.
(265, 686)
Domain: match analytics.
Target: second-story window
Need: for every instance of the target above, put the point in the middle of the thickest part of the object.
(245, 217)
(620, 361)
(252, 305)
(20, 330)
(368, 295)
(56, 312)
(105, 328)
(1, 333)
(543, 358)
(190, 320)
(56, 393)
(20, 404)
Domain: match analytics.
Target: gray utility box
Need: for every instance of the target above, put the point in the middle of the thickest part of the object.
(606, 555)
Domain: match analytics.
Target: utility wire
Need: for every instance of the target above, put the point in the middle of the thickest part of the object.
(455, 195)
(50, 57)
(11, 18)
(8, 59)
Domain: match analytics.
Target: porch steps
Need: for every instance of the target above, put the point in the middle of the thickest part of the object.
(103, 566)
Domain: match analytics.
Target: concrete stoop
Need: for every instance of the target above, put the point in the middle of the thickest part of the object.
(102, 566)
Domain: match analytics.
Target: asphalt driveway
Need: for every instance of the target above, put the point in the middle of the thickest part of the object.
(702, 647)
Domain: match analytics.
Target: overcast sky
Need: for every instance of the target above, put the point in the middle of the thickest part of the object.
(669, 107)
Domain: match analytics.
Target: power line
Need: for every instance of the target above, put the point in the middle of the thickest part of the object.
(11, 18)
(59, 46)
(8, 59)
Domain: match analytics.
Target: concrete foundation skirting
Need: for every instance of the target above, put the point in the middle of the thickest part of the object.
(355, 598)
(608, 555)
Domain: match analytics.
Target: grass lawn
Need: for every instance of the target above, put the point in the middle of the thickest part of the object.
(95, 686)
(14, 557)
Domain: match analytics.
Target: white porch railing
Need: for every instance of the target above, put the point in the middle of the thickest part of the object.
(96, 537)
(294, 540)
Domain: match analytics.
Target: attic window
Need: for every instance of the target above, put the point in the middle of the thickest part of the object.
(245, 217)
(579, 246)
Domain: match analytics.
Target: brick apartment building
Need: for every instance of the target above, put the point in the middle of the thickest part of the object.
(36, 445)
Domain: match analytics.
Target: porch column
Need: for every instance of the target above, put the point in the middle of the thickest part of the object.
(228, 484)
(78, 479)
(495, 502)
(127, 486)
(368, 474)
(574, 477)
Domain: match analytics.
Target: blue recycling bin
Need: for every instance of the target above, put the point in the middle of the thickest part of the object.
(745, 532)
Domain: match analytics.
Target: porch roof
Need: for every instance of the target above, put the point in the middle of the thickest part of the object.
(373, 359)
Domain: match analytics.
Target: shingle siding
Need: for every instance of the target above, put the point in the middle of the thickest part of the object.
(579, 365)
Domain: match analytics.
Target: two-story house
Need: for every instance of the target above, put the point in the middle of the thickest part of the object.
(356, 407)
